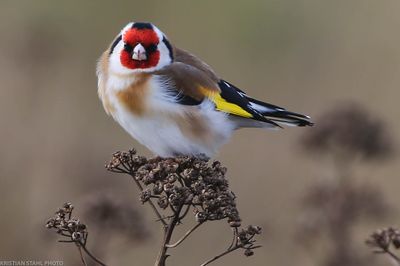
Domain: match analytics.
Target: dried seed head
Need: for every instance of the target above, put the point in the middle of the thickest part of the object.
(158, 188)
(145, 195)
(67, 207)
(163, 202)
(77, 236)
(396, 241)
(171, 178)
(50, 223)
(235, 223)
(200, 217)
(254, 230)
(381, 238)
(248, 252)
(67, 226)
(168, 187)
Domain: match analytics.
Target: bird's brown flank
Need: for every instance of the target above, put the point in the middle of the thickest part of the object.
(102, 68)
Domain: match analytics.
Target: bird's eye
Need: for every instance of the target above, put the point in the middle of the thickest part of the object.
(128, 47)
(151, 48)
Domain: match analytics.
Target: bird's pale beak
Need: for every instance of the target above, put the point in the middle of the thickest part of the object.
(139, 53)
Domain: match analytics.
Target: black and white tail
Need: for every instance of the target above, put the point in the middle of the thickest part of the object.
(279, 114)
(264, 114)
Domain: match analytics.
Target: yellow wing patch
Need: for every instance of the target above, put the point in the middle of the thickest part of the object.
(223, 105)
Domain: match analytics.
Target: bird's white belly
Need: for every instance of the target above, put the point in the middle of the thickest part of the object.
(162, 134)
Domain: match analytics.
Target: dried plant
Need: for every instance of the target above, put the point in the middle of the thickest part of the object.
(383, 240)
(331, 208)
(174, 186)
(108, 215)
(72, 229)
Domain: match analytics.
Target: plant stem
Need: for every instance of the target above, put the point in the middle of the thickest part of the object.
(221, 255)
(151, 203)
(92, 256)
(81, 254)
(184, 237)
(168, 230)
(393, 256)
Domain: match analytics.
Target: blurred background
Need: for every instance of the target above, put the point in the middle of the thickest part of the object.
(313, 57)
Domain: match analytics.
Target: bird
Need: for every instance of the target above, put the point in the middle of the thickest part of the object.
(171, 101)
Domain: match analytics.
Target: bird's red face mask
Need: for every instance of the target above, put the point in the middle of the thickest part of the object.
(140, 48)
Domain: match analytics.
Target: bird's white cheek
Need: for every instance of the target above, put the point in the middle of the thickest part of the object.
(115, 65)
(165, 58)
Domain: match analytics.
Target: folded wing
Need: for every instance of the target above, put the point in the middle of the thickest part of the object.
(190, 81)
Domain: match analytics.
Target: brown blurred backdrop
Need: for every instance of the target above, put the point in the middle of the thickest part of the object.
(306, 55)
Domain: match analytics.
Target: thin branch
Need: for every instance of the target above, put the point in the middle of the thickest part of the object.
(184, 213)
(234, 239)
(81, 254)
(151, 203)
(392, 255)
(185, 236)
(168, 230)
(166, 217)
(119, 171)
(173, 209)
(221, 255)
(64, 234)
(91, 255)
(247, 245)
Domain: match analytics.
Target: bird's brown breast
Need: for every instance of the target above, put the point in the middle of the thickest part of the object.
(134, 96)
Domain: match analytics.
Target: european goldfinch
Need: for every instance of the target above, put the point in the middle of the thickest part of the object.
(172, 102)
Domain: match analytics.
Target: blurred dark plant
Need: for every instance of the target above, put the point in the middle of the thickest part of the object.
(117, 216)
(174, 186)
(331, 208)
(348, 132)
(382, 241)
(72, 229)
(331, 211)
(111, 216)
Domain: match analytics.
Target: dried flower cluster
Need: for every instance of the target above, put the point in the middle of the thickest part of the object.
(71, 228)
(382, 241)
(67, 226)
(172, 187)
(245, 238)
(179, 181)
(182, 183)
